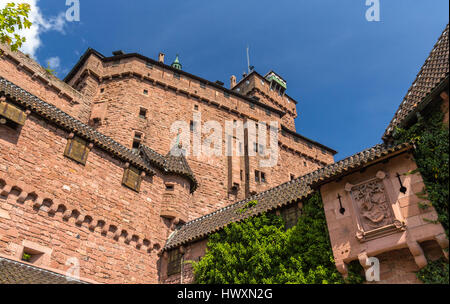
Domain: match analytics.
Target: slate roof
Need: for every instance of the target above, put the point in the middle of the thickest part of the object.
(433, 72)
(280, 196)
(67, 122)
(171, 163)
(13, 272)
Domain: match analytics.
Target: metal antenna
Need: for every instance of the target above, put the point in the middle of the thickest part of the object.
(248, 61)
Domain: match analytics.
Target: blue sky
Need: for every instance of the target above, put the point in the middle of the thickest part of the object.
(349, 75)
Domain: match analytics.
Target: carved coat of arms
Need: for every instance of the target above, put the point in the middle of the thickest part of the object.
(374, 208)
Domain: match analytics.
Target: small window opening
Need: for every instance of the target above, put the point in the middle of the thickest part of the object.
(136, 142)
(143, 113)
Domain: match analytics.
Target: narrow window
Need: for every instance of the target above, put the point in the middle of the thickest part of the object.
(145, 92)
(261, 149)
(132, 178)
(263, 177)
(102, 90)
(192, 126)
(143, 113)
(196, 107)
(136, 142)
(252, 106)
(292, 176)
(257, 176)
(203, 85)
(290, 216)
(77, 149)
(170, 187)
(149, 65)
(305, 164)
(31, 256)
(176, 75)
(241, 174)
(174, 262)
(255, 147)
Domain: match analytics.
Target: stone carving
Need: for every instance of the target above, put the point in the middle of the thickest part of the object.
(373, 206)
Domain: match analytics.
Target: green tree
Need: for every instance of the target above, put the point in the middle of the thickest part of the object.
(260, 251)
(12, 18)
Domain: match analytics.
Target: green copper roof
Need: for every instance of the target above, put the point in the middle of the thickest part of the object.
(176, 64)
(274, 77)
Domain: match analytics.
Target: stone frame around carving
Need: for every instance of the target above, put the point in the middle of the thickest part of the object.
(397, 224)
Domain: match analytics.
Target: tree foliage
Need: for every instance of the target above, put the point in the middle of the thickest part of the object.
(260, 251)
(432, 156)
(436, 272)
(14, 17)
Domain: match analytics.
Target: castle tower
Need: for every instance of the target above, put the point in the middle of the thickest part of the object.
(270, 90)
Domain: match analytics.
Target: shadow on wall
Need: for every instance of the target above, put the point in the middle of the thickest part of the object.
(10, 133)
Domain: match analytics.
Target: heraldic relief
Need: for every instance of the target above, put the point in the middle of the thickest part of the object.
(375, 216)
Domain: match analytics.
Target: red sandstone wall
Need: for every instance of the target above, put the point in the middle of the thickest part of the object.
(32, 161)
(121, 94)
(26, 73)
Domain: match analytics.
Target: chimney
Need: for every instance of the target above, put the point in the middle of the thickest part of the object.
(161, 57)
(118, 53)
(232, 81)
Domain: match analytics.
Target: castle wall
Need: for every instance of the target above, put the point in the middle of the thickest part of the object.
(25, 72)
(75, 210)
(129, 85)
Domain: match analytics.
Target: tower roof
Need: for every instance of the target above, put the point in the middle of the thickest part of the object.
(176, 63)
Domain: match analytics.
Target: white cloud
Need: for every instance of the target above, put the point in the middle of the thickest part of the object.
(40, 25)
(54, 62)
